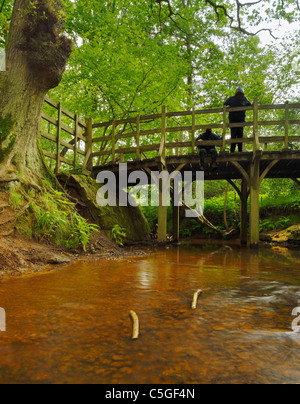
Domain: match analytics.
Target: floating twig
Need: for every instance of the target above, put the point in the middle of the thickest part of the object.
(195, 299)
(136, 326)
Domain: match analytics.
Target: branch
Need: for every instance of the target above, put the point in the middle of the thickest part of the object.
(2, 6)
(145, 75)
(239, 27)
(238, 5)
(265, 29)
(243, 30)
(216, 7)
(171, 14)
(250, 4)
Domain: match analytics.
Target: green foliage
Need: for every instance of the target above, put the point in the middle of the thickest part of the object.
(132, 57)
(273, 223)
(281, 193)
(280, 204)
(118, 234)
(151, 214)
(50, 217)
(16, 200)
(5, 16)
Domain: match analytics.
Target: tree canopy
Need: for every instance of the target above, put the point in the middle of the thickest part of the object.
(133, 56)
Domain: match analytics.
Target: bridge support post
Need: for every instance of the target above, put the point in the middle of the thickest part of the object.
(162, 215)
(254, 201)
(244, 212)
(176, 214)
(176, 223)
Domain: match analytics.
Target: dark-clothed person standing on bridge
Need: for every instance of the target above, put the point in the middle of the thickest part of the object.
(238, 100)
(207, 150)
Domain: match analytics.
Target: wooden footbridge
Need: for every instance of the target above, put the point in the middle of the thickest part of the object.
(166, 141)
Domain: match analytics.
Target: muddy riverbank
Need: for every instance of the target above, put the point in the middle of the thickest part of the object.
(20, 257)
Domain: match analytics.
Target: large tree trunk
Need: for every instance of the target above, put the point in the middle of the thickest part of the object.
(36, 59)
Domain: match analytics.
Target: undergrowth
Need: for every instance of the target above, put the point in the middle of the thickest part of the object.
(49, 216)
(277, 211)
(118, 235)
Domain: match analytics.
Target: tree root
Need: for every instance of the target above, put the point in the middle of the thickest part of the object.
(22, 211)
(7, 234)
(6, 221)
(5, 180)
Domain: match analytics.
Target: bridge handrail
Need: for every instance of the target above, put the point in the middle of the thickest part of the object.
(256, 140)
(84, 133)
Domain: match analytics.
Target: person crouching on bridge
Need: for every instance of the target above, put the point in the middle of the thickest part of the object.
(207, 150)
(238, 100)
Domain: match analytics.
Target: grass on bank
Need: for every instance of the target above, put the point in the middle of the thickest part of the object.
(49, 216)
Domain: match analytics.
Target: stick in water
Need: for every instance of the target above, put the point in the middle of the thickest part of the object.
(135, 320)
(195, 299)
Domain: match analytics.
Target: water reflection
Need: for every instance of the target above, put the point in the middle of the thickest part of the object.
(72, 325)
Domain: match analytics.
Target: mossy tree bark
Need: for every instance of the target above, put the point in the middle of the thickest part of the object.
(36, 57)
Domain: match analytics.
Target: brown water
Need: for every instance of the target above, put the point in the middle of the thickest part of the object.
(72, 325)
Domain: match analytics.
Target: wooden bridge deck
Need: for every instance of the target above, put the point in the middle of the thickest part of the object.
(229, 166)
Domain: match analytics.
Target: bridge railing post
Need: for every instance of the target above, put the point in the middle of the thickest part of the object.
(162, 149)
(89, 144)
(113, 142)
(138, 132)
(193, 130)
(76, 140)
(58, 160)
(223, 149)
(286, 126)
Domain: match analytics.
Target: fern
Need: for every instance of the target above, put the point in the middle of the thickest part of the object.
(118, 234)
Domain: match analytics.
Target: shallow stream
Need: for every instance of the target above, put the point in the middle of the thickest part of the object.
(72, 325)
